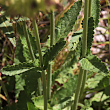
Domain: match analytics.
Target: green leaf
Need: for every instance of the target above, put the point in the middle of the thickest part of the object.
(75, 40)
(26, 52)
(67, 90)
(22, 101)
(19, 85)
(22, 19)
(72, 57)
(90, 34)
(33, 43)
(26, 87)
(103, 83)
(6, 26)
(107, 90)
(30, 106)
(92, 63)
(38, 102)
(18, 69)
(66, 23)
(69, 62)
(28, 80)
(52, 52)
(95, 12)
(2, 19)
(19, 53)
(93, 81)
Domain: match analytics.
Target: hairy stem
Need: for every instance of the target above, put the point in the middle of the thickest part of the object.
(52, 37)
(77, 93)
(85, 72)
(41, 63)
(83, 83)
(5, 91)
(85, 29)
(90, 4)
(84, 51)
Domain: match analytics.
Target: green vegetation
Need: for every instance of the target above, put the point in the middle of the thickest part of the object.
(37, 85)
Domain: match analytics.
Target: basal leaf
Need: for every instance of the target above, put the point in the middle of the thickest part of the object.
(52, 52)
(28, 82)
(92, 63)
(107, 90)
(30, 106)
(22, 101)
(103, 83)
(59, 96)
(38, 102)
(19, 85)
(95, 11)
(90, 34)
(18, 69)
(66, 23)
(93, 81)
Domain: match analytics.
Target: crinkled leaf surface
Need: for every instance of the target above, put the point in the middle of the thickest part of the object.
(103, 83)
(90, 34)
(65, 92)
(66, 23)
(95, 11)
(52, 52)
(18, 69)
(26, 87)
(28, 80)
(93, 81)
(19, 53)
(92, 63)
(26, 53)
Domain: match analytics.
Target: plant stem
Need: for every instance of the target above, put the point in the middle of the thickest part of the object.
(52, 36)
(52, 28)
(85, 72)
(83, 83)
(85, 29)
(28, 41)
(84, 51)
(77, 93)
(5, 91)
(41, 63)
(90, 4)
(49, 81)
